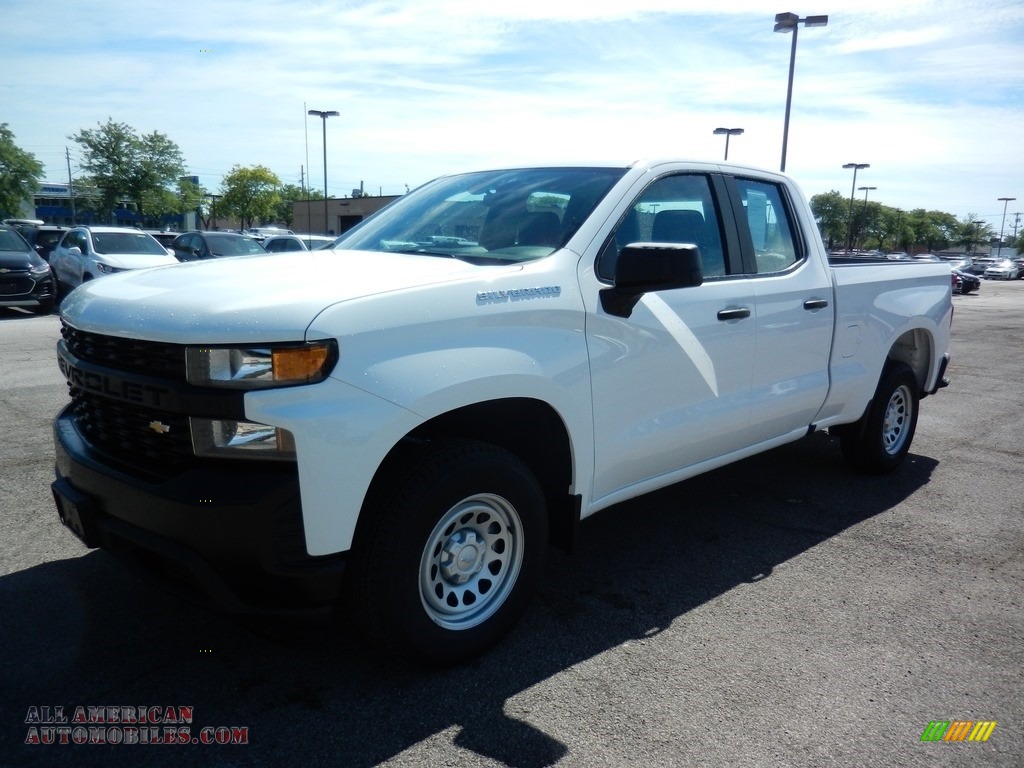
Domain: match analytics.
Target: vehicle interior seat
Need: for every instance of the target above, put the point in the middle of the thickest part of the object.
(688, 226)
(540, 228)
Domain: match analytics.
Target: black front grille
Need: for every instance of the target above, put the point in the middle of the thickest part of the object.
(139, 435)
(9, 287)
(149, 358)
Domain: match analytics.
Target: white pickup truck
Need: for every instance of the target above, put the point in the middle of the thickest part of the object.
(404, 423)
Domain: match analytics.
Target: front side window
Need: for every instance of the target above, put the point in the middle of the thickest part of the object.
(490, 217)
(768, 221)
(78, 239)
(673, 209)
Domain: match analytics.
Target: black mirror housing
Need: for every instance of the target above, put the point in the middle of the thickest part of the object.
(646, 267)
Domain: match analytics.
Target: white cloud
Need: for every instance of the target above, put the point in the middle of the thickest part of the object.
(928, 91)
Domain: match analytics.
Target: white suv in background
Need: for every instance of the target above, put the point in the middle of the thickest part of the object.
(85, 253)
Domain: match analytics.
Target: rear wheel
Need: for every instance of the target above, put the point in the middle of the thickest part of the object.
(880, 440)
(446, 561)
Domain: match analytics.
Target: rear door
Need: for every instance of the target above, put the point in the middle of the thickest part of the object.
(794, 318)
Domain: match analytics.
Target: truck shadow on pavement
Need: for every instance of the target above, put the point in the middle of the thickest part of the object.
(84, 632)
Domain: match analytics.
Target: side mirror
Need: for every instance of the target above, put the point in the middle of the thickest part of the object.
(646, 267)
(74, 250)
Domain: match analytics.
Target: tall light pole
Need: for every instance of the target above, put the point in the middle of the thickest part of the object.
(849, 223)
(864, 211)
(324, 115)
(728, 132)
(790, 22)
(1006, 202)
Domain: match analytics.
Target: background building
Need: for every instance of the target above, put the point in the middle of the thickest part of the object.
(342, 213)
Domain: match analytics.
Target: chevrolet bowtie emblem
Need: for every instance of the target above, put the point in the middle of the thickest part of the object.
(159, 427)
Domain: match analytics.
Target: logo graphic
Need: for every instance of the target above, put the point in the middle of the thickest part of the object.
(958, 730)
(159, 427)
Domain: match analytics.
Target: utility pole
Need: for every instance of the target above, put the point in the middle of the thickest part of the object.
(213, 212)
(71, 188)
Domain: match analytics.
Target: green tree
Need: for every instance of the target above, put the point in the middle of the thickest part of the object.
(831, 211)
(972, 232)
(249, 194)
(124, 165)
(20, 173)
(931, 230)
(291, 194)
(893, 232)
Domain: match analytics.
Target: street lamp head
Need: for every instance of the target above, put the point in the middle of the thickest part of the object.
(728, 131)
(324, 114)
(867, 188)
(1006, 199)
(784, 22)
(858, 166)
(816, 21)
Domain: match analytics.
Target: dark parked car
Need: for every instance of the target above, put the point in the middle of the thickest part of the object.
(211, 245)
(163, 236)
(965, 282)
(25, 279)
(42, 237)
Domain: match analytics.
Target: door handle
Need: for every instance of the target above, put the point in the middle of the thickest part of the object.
(733, 314)
(815, 303)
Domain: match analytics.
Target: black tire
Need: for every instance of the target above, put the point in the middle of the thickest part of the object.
(881, 439)
(45, 307)
(452, 545)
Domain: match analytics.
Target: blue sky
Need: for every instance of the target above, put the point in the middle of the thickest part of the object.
(931, 94)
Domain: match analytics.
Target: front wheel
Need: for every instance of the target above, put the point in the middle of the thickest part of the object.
(453, 544)
(880, 440)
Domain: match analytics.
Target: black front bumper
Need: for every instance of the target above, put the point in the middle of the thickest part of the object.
(223, 533)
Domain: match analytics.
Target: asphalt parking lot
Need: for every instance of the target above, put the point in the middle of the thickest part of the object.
(783, 611)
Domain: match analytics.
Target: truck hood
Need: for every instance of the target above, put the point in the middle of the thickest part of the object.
(248, 299)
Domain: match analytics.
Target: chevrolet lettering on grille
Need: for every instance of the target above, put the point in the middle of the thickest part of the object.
(110, 386)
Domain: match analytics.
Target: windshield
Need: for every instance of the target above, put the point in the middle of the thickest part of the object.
(126, 242)
(12, 241)
(232, 245)
(488, 217)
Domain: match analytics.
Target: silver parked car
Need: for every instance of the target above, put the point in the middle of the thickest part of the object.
(85, 253)
(1003, 269)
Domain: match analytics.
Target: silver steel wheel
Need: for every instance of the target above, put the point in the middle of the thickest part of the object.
(471, 561)
(896, 421)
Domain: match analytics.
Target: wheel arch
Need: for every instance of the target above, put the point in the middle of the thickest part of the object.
(528, 428)
(916, 348)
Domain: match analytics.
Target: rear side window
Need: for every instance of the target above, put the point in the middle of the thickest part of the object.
(767, 218)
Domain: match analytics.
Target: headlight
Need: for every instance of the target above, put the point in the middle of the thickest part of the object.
(228, 439)
(107, 269)
(260, 367)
